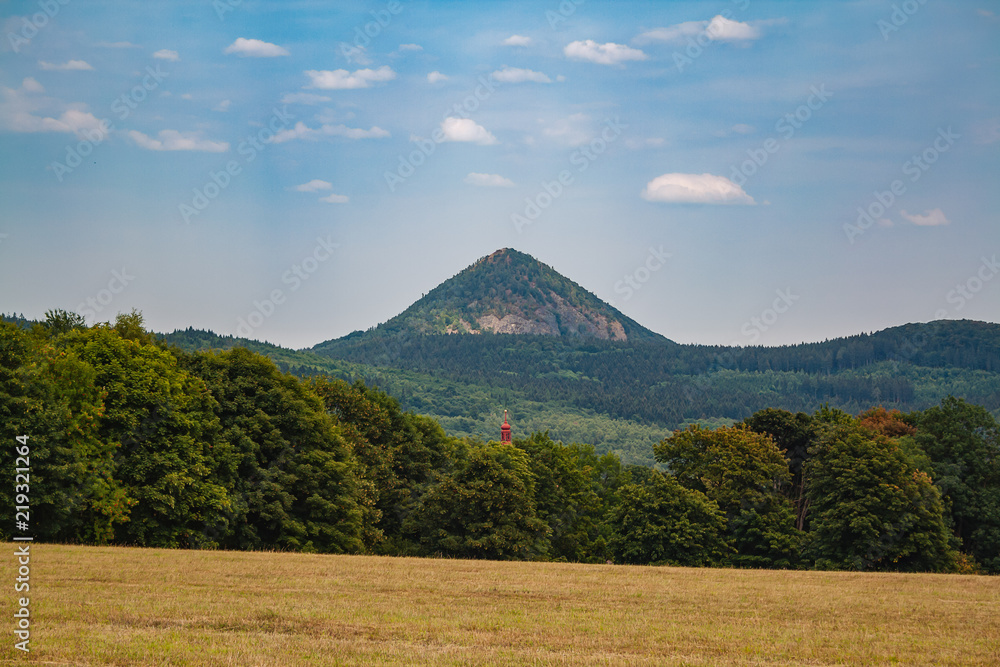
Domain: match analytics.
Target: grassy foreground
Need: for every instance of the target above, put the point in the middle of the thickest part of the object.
(117, 606)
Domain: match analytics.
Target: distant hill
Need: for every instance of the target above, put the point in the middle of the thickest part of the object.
(623, 397)
(510, 292)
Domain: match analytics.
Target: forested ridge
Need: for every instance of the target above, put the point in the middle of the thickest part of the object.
(136, 441)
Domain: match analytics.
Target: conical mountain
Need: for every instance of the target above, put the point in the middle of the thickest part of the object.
(511, 292)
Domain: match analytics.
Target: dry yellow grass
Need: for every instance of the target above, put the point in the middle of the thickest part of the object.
(116, 606)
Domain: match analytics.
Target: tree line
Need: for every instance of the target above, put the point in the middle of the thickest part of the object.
(137, 442)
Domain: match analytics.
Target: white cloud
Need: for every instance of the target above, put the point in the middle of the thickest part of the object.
(516, 75)
(435, 77)
(32, 86)
(489, 180)
(70, 66)
(602, 54)
(335, 199)
(410, 47)
(255, 48)
(719, 29)
(341, 79)
(695, 189)
(302, 131)
(574, 130)
(223, 105)
(517, 40)
(167, 54)
(931, 218)
(304, 98)
(314, 185)
(172, 140)
(18, 113)
(466, 130)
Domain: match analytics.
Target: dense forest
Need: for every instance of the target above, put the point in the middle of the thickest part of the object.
(622, 397)
(136, 441)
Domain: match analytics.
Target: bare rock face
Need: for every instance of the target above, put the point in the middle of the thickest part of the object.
(509, 292)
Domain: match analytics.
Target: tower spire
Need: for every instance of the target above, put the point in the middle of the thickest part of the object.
(505, 429)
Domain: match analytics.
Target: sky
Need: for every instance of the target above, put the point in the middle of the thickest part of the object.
(732, 172)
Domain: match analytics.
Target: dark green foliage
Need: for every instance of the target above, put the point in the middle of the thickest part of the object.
(50, 396)
(744, 472)
(163, 424)
(661, 522)
(484, 508)
(136, 442)
(871, 508)
(288, 469)
(963, 444)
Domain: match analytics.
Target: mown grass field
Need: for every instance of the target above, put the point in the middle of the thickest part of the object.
(118, 606)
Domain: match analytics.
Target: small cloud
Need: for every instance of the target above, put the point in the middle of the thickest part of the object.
(987, 131)
(32, 86)
(436, 77)
(341, 79)
(602, 54)
(932, 218)
(741, 128)
(302, 131)
(517, 40)
(187, 96)
(255, 48)
(466, 130)
(695, 189)
(304, 98)
(70, 66)
(172, 140)
(648, 142)
(117, 45)
(167, 54)
(516, 75)
(223, 105)
(314, 185)
(574, 130)
(719, 29)
(410, 47)
(489, 180)
(882, 222)
(335, 199)
(560, 78)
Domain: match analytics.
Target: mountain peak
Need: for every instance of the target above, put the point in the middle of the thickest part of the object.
(511, 292)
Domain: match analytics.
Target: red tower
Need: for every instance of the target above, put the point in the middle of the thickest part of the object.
(505, 429)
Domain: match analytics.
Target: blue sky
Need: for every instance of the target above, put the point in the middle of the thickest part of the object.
(722, 172)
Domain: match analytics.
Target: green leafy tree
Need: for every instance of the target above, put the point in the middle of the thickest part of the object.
(162, 423)
(663, 523)
(744, 472)
(568, 497)
(872, 509)
(794, 434)
(963, 443)
(290, 474)
(484, 508)
(51, 396)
